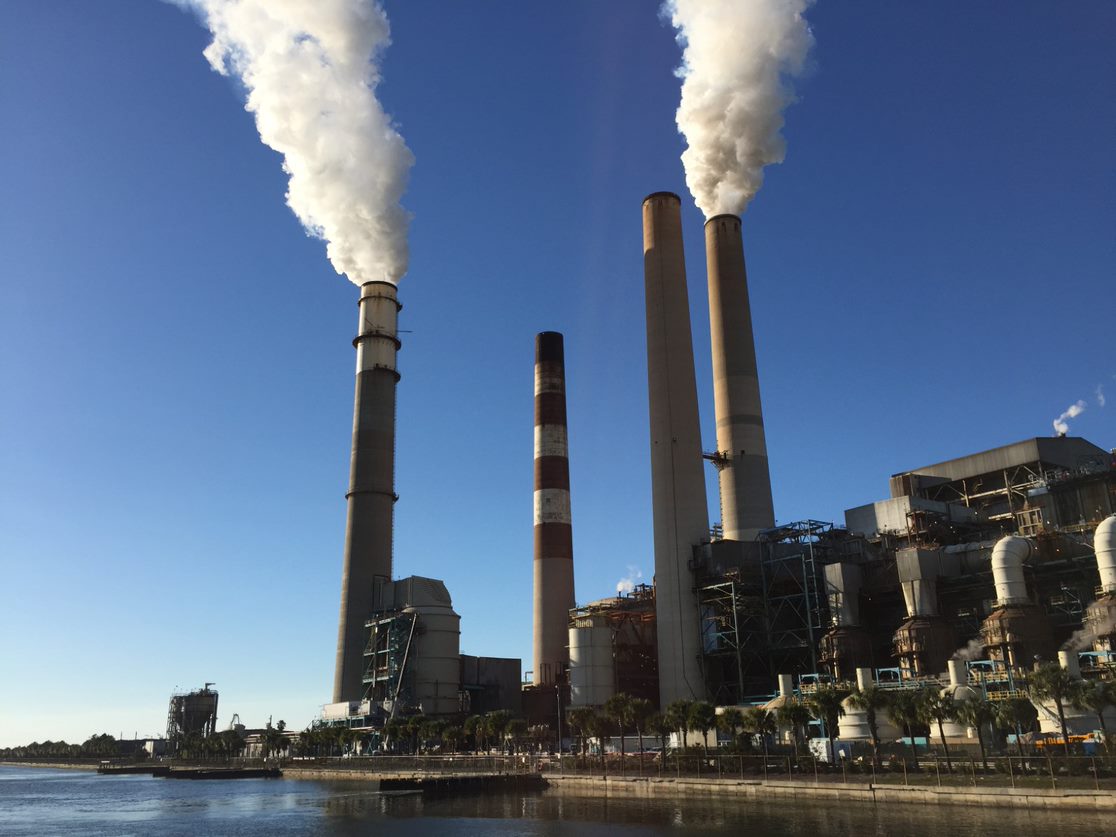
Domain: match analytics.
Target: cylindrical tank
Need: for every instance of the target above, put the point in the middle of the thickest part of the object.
(854, 723)
(435, 659)
(1007, 569)
(680, 515)
(592, 672)
(961, 690)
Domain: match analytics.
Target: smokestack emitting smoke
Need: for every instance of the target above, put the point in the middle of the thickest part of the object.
(554, 580)
(1061, 424)
(310, 70)
(679, 510)
(745, 482)
(737, 55)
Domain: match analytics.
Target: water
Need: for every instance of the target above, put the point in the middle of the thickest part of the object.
(38, 802)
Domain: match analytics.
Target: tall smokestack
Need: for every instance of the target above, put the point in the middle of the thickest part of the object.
(681, 517)
(554, 581)
(371, 495)
(746, 505)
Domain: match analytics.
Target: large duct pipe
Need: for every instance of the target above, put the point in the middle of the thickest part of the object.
(554, 582)
(1104, 544)
(1008, 556)
(680, 513)
(371, 496)
(746, 504)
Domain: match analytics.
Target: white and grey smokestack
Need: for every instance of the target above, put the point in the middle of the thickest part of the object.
(371, 496)
(745, 481)
(681, 518)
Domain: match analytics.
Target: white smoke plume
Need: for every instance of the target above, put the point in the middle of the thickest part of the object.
(972, 651)
(737, 58)
(628, 583)
(1061, 424)
(310, 71)
(1101, 400)
(1084, 636)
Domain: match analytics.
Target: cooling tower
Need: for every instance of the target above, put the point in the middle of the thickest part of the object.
(746, 506)
(371, 495)
(554, 582)
(679, 509)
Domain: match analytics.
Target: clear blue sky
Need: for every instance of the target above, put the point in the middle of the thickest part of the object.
(931, 274)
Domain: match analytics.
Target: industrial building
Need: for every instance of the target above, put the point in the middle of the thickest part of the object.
(191, 713)
(969, 572)
(966, 575)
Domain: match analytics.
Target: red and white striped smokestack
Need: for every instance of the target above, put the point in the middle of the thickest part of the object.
(746, 504)
(680, 515)
(554, 580)
(371, 496)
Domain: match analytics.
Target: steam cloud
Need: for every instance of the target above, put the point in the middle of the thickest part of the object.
(1101, 400)
(737, 56)
(1061, 424)
(628, 583)
(310, 70)
(1084, 636)
(972, 651)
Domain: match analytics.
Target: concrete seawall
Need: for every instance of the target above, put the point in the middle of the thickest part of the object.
(1082, 800)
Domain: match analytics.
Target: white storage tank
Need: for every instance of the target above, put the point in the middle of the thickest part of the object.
(854, 723)
(592, 674)
(434, 658)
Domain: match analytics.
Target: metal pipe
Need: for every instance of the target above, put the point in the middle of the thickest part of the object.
(680, 513)
(745, 480)
(1104, 544)
(1008, 556)
(371, 496)
(553, 563)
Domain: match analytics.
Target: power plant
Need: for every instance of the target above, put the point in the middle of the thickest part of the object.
(971, 572)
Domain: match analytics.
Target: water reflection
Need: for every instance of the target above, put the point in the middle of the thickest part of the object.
(57, 802)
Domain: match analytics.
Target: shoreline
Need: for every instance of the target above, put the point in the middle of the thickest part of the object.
(682, 788)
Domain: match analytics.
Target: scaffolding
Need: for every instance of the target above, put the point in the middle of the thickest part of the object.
(766, 616)
(386, 653)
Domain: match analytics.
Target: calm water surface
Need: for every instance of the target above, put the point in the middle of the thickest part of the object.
(41, 802)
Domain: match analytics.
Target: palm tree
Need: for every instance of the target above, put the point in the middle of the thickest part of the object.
(451, 736)
(796, 715)
(731, 721)
(617, 709)
(1096, 696)
(827, 704)
(702, 717)
(905, 711)
(640, 711)
(936, 707)
(662, 726)
(978, 713)
(496, 723)
(474, 729)
(581, 719)
(414, 730)
(1015, 713)
(1052, 682)
(678, 713)
(516, 730)
(871, 702)
(759, 721)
